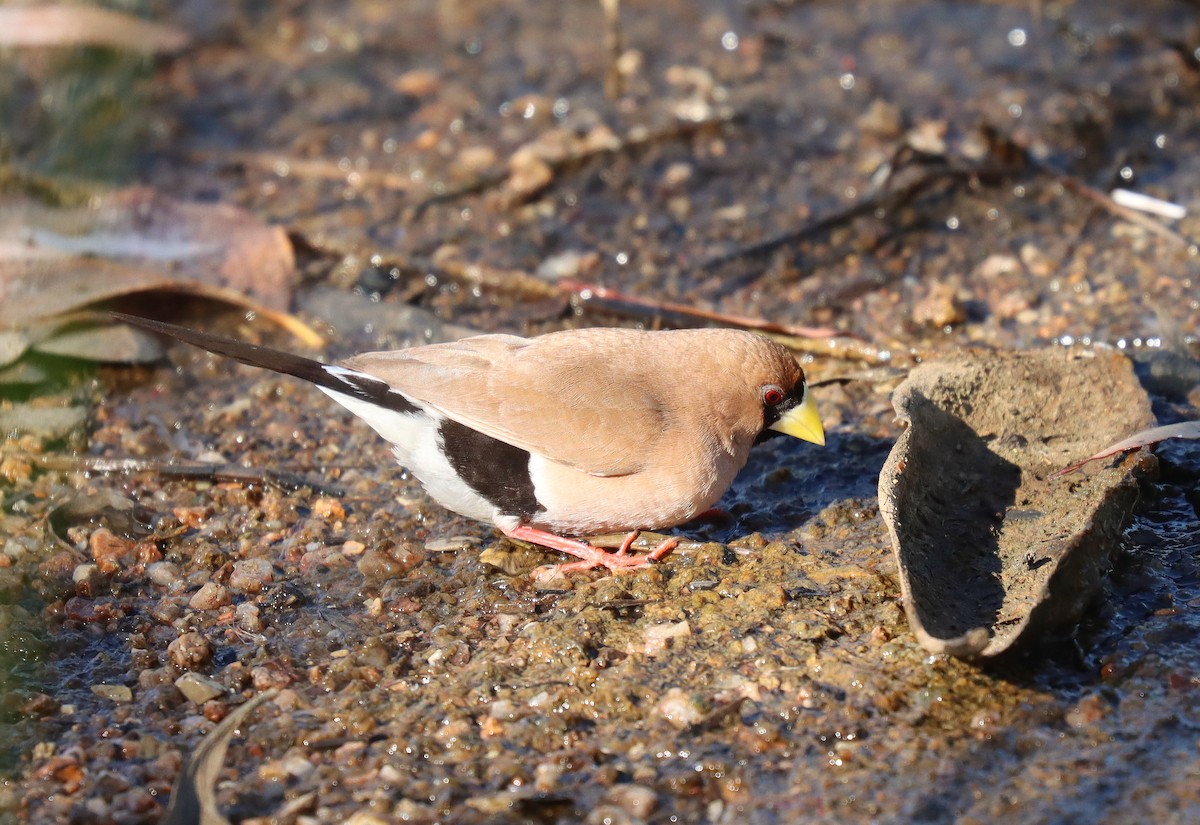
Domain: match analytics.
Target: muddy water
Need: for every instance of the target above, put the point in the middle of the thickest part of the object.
(764, 676)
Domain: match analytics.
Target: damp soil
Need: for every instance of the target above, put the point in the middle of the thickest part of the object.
(915, 174)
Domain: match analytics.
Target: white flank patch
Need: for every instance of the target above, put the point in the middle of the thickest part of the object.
(417, 445)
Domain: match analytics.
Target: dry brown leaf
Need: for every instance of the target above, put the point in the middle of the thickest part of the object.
(41, 290)
(215, 244)
(116, 344)
(71, 25)
(57, 261)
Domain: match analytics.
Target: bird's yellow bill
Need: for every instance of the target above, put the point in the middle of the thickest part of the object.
(803, 422)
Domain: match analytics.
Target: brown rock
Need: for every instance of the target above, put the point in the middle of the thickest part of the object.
(209, 597)
(251, 575)
(109, 551)
(940, 308)
(190, 651)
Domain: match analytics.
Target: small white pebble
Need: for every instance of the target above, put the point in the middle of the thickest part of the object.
(679, 708)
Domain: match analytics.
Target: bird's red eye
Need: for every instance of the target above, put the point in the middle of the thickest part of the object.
(772, 395)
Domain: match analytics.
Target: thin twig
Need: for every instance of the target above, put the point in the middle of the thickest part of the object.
(620, 303)
(316, 169)
(614, 84)
(1102, 199)
(886, 199)
(215, 473)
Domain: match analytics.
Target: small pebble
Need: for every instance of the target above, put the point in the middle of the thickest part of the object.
(882, 119)
(940, 308)
(1087, 711)
(13, 469)
(109, 551)
(378, 565)
(417, 82)
(197, 688)
(609, 815)
(573, 263)
(270, 675)
(329, 509)
(292, 765)
(636, 800)
(528, 173)
(209, 597)
(165, 574)
(248, 617)
(679, 708)
(189, 651)
(656, 637)
(192, 516)
(251, 575)
(113, 693)
(88, 580)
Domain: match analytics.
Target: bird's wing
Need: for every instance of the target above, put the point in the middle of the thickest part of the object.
(584, 407)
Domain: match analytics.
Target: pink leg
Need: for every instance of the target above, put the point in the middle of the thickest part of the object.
(591, 556)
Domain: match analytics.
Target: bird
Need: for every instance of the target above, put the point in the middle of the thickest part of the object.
(568, 434)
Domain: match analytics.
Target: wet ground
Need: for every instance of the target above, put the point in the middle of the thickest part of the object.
(921, 175)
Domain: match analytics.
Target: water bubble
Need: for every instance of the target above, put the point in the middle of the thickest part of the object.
(1015, 110)
(952, 222)
(1126, 173)
(1017, 37)
(729, 41)
(846, 81)
(621, 258)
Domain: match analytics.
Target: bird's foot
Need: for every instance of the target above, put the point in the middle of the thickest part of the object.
(589, 556)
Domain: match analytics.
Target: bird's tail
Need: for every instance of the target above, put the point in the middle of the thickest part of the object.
(339, 380)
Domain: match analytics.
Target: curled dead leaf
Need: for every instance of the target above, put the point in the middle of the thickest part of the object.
(1145, 438)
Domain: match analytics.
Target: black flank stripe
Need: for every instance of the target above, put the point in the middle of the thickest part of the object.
(497, 471)
(352, 384)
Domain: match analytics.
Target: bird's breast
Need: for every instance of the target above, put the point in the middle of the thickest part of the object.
(662, 494)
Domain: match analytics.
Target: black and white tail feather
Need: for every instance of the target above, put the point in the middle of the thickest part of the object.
(336, 379)
(440, 452)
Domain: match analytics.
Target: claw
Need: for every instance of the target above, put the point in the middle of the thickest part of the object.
(589, 556)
